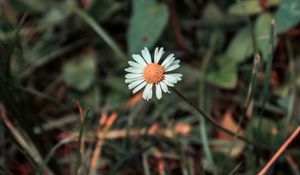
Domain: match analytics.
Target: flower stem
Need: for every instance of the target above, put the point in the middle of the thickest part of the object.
(212, 121)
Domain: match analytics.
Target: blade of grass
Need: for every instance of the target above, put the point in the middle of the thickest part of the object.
(291, 101)
(203, 129)
(236, 168)
(267, 77)
(55, 148)
(10, 46)
(24, 142)
(33, 92)
(268, 70)
(50, 57)
(18, 104)
(256, 61)
(99, 30)
(80, 146)
(248, 107)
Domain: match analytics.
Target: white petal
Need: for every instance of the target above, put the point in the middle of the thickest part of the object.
(164, 87)
(176, 76)
(168, 83)
(169, 62)
(167, 59)
(172, 67)
(139, 59)
(145, 93)
(135, 64)
(134, 70)
(171, 79)
(129, 80)
(146, 55)
(135, 84)
(158, 91)
(150, 92)
(139, 87)
(158, 53)
(175, 62)
(155, 54)
(132, 75)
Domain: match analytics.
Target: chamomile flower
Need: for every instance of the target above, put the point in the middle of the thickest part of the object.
(153, 74)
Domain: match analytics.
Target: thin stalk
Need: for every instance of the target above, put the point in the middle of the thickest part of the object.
(213, 122)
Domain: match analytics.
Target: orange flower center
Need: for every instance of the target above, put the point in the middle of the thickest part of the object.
(154, 73)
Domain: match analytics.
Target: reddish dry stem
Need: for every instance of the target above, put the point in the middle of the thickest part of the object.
(104, 125)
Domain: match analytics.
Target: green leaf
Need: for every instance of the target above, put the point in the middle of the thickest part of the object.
(213, 13)
(241, 46)
(146, 24)
(79, 73)
(225, 76)
(249, 7)
(263, 33)
(245, 8)
(288, 15)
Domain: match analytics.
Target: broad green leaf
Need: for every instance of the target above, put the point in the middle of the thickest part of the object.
(263, 31)
(241, 46)
(288, 15)
(213, 13)
(225, 76)
(79, 73)
(249, 7)
(146, 24)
